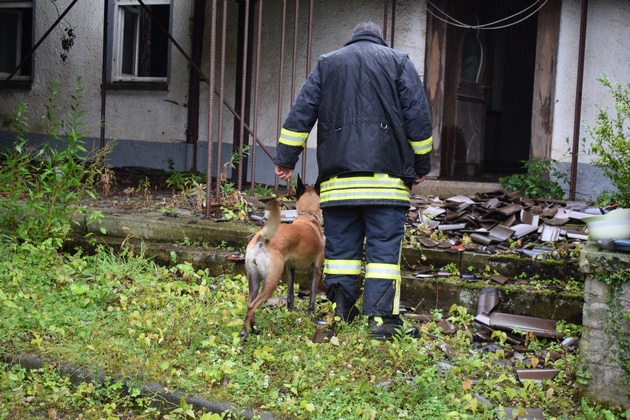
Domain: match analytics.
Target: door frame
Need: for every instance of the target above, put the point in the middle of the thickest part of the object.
(441, 91)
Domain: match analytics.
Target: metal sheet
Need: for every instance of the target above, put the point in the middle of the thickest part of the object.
(488, 300)
(536, 375)
(538, 326)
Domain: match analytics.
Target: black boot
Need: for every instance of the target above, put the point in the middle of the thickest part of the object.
(391, 326)
(344, 306)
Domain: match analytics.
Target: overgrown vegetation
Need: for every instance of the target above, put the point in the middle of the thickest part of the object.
(44, 393)
(121, 314)
(40, 186)
(611, 145)
(540, 179)
(618, 319)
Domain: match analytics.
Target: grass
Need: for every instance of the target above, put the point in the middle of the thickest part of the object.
(125, 316)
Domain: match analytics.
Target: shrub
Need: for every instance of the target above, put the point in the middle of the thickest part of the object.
(611, 146)
(39, 187)
(541, 179)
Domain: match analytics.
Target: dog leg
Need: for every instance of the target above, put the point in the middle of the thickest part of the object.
(270, 284)
(253, 280)
(290, 288)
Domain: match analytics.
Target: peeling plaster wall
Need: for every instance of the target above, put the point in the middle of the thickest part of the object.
(332, 27)
(606, 51)
(132, 117)
(149, 126)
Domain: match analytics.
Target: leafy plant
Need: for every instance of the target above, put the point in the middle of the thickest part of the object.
(541, 179)
(185, 181)
(44, 393)
(611, 146)
(42, 186)
(122, 314)
(451, 268)
(262, 190)
(236, 158)
(227, 188)
(618, 321)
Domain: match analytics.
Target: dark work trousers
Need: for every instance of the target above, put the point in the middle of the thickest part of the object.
(381, 228)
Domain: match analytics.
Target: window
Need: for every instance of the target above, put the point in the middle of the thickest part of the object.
(141, 48)
(16, 38)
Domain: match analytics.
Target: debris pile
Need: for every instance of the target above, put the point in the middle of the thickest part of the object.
(516, 333)
(491, 220)
(509, 337)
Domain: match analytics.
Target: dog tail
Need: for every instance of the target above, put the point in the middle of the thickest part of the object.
(273, 221)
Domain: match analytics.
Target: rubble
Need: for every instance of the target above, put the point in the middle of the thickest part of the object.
(517, 331)
(494, 220)
(491, 222)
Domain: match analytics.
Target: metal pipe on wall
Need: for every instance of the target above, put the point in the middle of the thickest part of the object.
(245, 95)
(281, 77)
(578, 101)
(309, 43)
(104, 75)
(212, 56)
(194, 79)
(256, 94)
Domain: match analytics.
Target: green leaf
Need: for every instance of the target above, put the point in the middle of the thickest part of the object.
(79, 289)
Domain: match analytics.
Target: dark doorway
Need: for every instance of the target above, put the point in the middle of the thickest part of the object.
(489, 78)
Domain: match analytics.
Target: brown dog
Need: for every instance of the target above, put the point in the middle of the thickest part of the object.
(299, 245)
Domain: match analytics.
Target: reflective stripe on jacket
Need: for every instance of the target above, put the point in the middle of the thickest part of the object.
(380, 189)
(371, 110)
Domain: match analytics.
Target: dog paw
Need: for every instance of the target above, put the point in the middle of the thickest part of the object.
(243, 335)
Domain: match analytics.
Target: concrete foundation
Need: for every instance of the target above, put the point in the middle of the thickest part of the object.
(161, 237)
(605, 344)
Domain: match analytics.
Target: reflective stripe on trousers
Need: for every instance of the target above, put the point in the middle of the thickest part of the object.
(380, 229)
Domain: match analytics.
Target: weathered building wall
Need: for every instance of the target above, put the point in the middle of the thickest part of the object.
(606, 331)
(149, 127)
(131, 115)
(606, 51)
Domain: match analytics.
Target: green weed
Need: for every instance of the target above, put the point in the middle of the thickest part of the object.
(541, 179)
(121, 314)
(611, 145)
(40, 187)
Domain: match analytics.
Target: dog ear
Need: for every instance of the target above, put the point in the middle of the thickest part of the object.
(301, 188)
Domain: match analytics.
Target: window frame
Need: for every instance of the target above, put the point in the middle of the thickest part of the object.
(118, 79)
(19, 79)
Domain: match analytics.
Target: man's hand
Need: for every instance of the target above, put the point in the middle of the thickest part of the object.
(284, 173)
(419, 179)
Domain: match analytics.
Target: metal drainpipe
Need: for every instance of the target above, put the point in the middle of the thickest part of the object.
(104, 75)
(281, 78)
(192, 131)
(578, 101)
(242, 96)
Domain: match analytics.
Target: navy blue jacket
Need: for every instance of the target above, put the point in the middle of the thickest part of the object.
(371, 110)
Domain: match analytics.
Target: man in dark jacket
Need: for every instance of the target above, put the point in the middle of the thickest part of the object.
(373, 143)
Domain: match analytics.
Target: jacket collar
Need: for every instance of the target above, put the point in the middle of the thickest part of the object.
(367, 36)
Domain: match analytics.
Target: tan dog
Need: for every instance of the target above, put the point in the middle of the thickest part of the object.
(299, 245)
